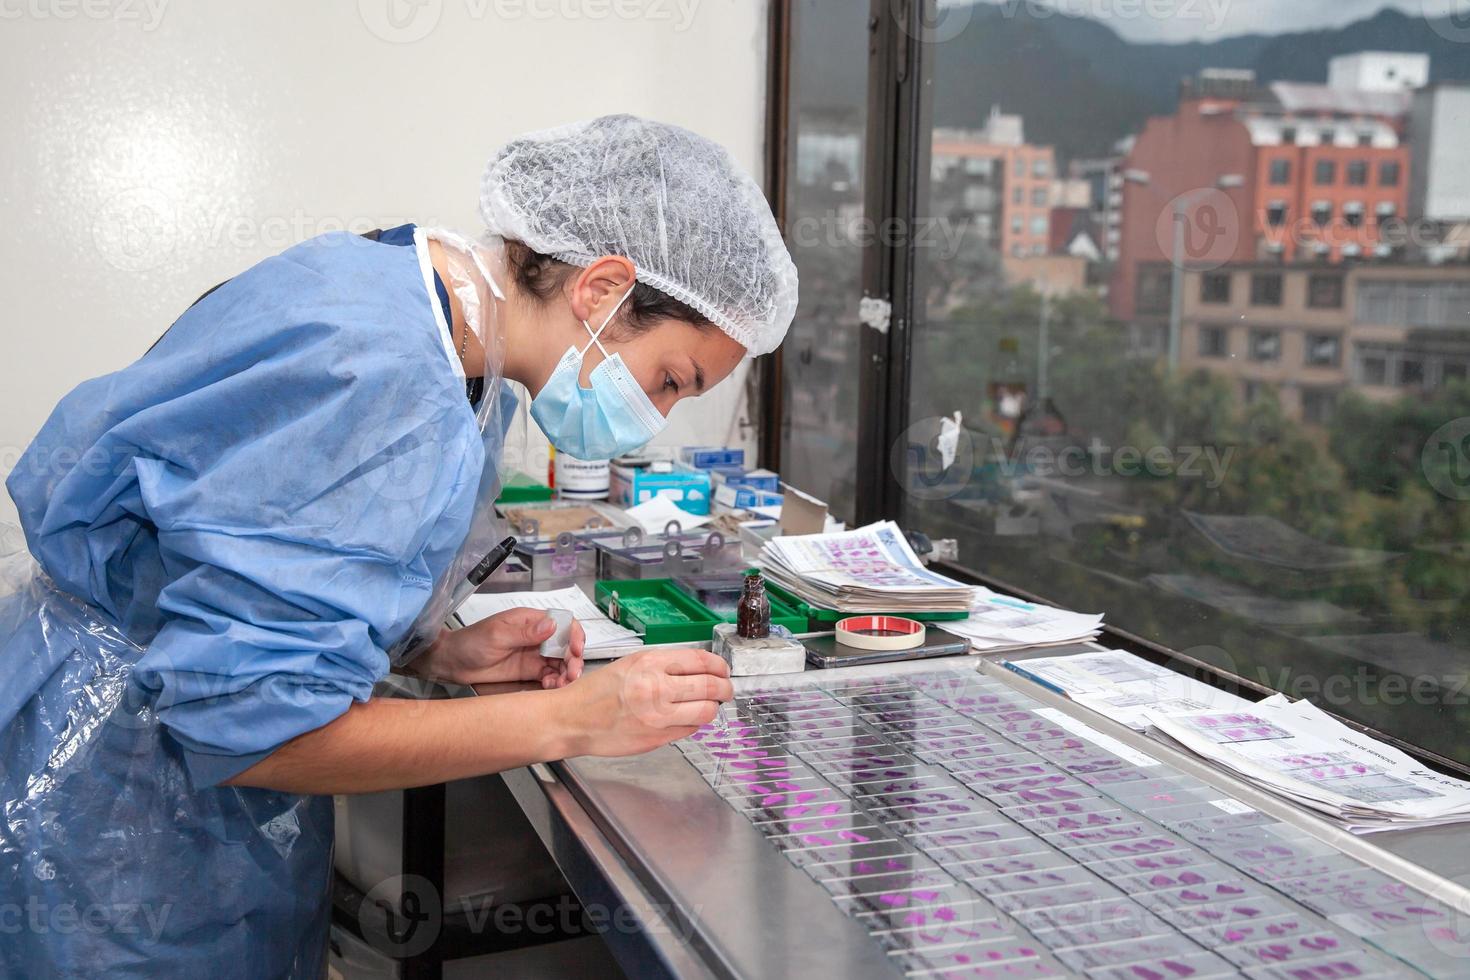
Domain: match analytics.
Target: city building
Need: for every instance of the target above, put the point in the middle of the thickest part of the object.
(1104, 177)
(1439, 188)
(1311, 332)
(1379, 71)
(970, 190)
(1285, 173)
(1027, 175)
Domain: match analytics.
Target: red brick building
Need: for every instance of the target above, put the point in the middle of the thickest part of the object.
(1294, 173)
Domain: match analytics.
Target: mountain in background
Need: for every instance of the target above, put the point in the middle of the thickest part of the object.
(1081, 87)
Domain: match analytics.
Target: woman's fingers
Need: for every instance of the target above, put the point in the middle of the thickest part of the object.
(700, 687)
(694, 662)
(524, 627)
(692, 715)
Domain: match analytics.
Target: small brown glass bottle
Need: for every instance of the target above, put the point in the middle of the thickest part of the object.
(753, 614)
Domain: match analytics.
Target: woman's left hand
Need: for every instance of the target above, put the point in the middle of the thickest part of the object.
(504, 648)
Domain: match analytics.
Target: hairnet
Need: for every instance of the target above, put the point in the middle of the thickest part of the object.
(693, 223)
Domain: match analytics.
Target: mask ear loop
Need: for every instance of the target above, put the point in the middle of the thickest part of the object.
(598, 332)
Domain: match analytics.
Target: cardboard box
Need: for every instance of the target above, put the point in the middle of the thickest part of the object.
(690, 489)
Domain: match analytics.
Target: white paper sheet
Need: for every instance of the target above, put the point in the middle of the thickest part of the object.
(1301, 752)
(1125, 687)
(997, 619)
(605, 639)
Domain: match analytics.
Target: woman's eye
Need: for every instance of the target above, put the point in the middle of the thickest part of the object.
(671, 384)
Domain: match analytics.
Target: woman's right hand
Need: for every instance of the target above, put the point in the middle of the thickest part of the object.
(645, 700)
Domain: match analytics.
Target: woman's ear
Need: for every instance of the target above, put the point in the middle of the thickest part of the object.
(601, 285)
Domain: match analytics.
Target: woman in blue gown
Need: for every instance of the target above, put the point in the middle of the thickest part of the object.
(231, 540)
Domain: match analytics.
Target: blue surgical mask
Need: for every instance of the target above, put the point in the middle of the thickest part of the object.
(613, 417)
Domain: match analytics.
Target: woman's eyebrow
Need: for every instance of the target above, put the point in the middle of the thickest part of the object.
(698, 375)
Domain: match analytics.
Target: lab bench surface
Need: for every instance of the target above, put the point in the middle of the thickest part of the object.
(692, 878)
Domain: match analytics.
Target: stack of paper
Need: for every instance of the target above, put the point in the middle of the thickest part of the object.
(999, 624)
(605, 639)
(871, 569)
(1126, 688)
(1301, 753)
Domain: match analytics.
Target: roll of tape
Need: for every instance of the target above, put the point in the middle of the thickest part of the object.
(880, 633)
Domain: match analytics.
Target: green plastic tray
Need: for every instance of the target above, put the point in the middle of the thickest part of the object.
(522, 489)
(822, 620)
(782, 614)
(698, 630)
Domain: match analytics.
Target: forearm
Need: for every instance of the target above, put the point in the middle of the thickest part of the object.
(393, 743)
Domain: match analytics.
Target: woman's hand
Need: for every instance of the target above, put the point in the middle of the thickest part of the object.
(504, 648)
(645, 700)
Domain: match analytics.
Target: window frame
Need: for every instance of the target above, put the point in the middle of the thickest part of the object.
(1313, 336)
(1256, 334)
(1208, 298)
(901, 66)
(1318, 277)
(1215, 330)
(1258, 278)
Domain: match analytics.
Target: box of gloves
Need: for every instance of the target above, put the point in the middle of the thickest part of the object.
(636, 480)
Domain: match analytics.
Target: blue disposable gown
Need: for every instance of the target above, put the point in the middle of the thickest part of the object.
(230, 532)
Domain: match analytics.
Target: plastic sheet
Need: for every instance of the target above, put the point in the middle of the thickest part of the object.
(108, 854)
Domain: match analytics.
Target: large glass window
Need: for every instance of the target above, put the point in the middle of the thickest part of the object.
(826, 231)
(1295, 513)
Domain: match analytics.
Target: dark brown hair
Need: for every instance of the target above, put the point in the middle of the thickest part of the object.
(543, 277)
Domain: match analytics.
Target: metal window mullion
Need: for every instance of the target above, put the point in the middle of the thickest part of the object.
(896, 168)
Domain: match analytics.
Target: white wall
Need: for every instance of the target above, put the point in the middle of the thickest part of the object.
(151, 148)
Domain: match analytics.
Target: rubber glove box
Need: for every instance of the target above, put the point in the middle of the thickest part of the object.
(711, 457)
(689, 488)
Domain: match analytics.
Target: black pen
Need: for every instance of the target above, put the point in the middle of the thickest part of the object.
(482, 570)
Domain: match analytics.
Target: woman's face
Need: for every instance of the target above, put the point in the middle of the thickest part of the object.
(671, 359)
